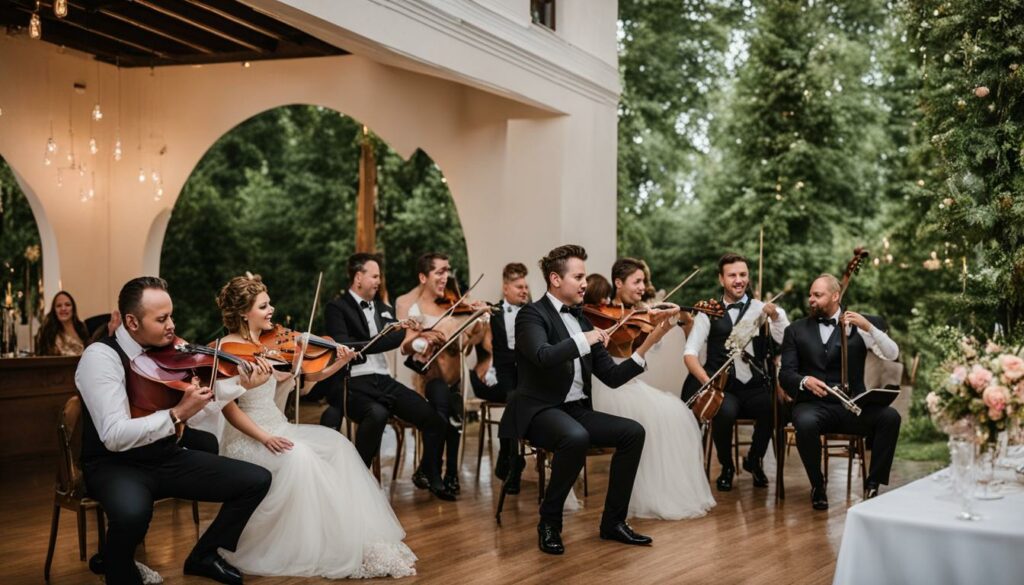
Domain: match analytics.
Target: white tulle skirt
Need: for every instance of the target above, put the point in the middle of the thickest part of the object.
(670, 482)
(324, 516)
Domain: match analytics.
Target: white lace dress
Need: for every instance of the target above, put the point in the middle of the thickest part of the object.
(325, 515)
(670, 482)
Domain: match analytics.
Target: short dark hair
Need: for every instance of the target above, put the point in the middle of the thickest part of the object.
(425, 263)
(129, 300)
(513, 271)
(557, 260)
(730, 258)
(357, 263)
(599, 290)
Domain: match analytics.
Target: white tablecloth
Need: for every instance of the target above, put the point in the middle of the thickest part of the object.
(911, 535)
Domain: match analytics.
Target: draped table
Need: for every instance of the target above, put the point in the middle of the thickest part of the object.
(911, 535)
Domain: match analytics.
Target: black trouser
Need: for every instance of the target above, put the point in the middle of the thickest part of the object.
(569, 431)
(373, 398)
(440, 396)
(127, 488)
(749, 400)
(498, 393)
(881, 424)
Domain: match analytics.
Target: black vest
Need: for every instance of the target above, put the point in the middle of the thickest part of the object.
(93, 448)
(824, 360)
(717, 353)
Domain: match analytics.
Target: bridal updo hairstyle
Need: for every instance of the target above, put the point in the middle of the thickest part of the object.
(235, 300)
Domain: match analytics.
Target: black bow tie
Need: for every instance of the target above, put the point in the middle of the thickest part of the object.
(364, 304)
(827, 321)
(737, 306)
(575, 311)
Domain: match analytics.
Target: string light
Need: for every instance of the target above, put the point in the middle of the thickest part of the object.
(60, 8)
(35, 26)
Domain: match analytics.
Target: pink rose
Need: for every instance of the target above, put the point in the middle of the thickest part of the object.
(933, 401)
(979, 377)
(1013, 367)
(995, 398)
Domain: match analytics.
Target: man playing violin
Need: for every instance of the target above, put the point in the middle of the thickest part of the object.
(373, 396)
(440, 384)
(747, 394)
(558, 349)
(812, 362)
(131, 461)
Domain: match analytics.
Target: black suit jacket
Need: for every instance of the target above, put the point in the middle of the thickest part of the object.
(544, 357)
(347, 323)
(803, 354)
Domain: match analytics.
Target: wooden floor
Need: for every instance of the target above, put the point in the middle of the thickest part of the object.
(746, 538)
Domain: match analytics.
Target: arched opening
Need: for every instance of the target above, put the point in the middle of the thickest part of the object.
(276, 195)
(22, 298)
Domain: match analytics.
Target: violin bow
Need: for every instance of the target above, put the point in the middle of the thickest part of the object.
(455, 336)
(213, 374)
(760, 267)
(305, 345)
(623, 320)
(455, 305)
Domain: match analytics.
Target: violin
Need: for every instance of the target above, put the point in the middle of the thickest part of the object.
(159, 376)
(638, 325)
(279, 344)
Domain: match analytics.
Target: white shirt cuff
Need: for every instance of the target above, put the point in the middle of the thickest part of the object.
(419, 345)
(581, 343)
(639, 360)
(802, 381)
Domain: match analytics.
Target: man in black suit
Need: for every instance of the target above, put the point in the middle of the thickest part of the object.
(495, 375)
(557, 350)
(373, 395)
(812, 362)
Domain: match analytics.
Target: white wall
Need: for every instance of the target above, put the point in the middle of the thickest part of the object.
(526, 174)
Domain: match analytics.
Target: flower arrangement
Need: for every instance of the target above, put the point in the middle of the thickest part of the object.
(980, 392)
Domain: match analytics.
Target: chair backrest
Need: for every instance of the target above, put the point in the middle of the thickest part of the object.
(69, 446)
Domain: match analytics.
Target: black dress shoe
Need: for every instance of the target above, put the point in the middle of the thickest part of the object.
(441, 492)
(451, 483)
(754, 468)
(96, 564)
(213, 567)
(420, 480)
(624, 534)
(870, 490)
(549, 539)
(724, 481)
(819, 499)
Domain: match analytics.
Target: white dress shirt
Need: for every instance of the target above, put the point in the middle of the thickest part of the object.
(702, 327)
(876, 340)
(509, 312)
(375, 362)
(100, 379)
(580, 338)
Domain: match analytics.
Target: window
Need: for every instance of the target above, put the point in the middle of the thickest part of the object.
(543, 12)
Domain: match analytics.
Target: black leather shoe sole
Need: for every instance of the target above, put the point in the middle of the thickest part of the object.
(443, 493)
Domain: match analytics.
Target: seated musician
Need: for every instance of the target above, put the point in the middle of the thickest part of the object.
(129, 461)
(812, 363)
(495, 373)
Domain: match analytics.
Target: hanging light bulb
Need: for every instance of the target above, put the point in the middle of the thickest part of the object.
(47, 161)
(93, 147)
(81, 170)
(60, 178)
(159, 192)
(118, 152)
(35, 26)
(51, 145)
(142, 175)
(71, 158)
(82, 196)
(60, 8)
(97, 113)
(155, 176)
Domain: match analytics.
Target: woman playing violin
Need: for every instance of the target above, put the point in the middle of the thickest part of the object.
(670, 482)
(325, 514)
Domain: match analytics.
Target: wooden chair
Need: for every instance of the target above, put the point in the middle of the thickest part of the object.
(709, 444)
(526, 450)
(849, 446)
(487, 421)
(593, 452)
(69, 490)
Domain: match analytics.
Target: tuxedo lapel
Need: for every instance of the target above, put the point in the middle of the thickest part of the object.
(360, 316)
(561, 332)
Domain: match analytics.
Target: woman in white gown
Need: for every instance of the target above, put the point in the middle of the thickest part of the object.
(670, 482)
(325, 514)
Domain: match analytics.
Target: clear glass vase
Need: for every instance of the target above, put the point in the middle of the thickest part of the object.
(961, 458)
(985, 465)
